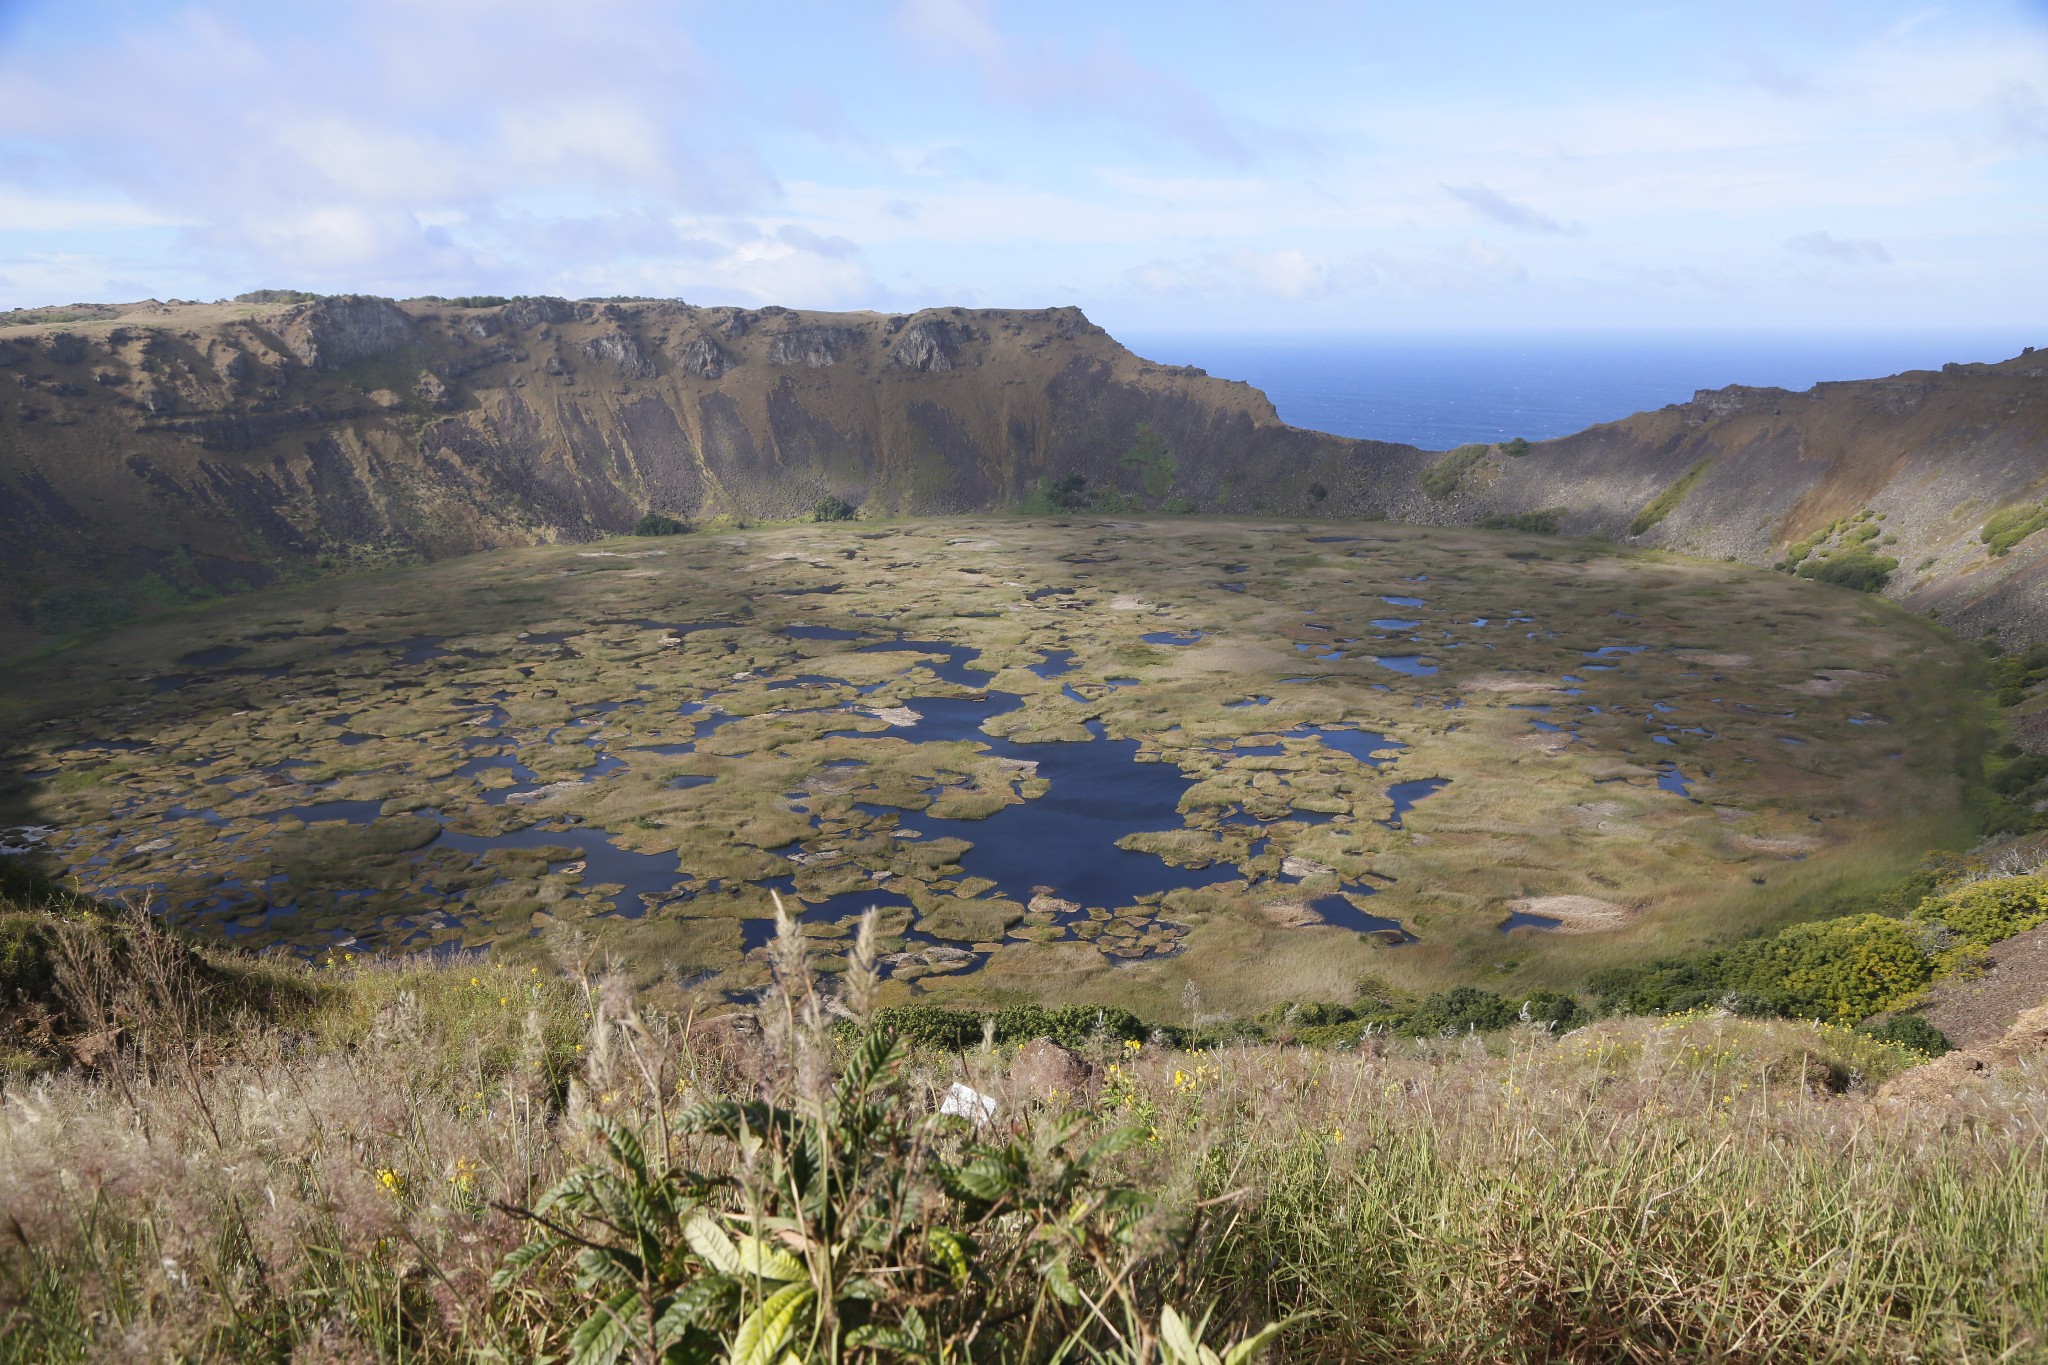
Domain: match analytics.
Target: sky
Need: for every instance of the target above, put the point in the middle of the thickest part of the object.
(1302, 167)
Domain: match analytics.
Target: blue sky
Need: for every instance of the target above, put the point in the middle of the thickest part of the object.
(1302, 167)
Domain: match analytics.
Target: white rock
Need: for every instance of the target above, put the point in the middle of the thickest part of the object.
(965, 1102)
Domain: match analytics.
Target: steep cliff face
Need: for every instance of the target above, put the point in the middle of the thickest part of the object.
(160, 451)
(1924, 459)
(150, 453)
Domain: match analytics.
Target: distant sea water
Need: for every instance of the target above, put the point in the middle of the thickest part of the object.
(1438, 391)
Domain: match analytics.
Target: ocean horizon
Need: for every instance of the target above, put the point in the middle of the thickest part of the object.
(1438, 390)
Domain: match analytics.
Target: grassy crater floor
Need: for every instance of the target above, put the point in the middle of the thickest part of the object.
(1190, 764)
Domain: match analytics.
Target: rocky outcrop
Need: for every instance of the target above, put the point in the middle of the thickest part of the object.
(929, 346)
(701, 358)
(340, 331)
(813, 347)
(621, 352)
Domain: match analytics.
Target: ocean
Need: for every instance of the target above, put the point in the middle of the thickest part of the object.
(1437, 391)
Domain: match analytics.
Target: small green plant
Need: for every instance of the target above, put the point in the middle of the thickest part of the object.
(1516, 448)
(850, 1223)
(659, 524)
(832, 508)
(1441, 479)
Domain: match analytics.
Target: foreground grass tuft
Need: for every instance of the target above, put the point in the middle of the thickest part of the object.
(449, 1160)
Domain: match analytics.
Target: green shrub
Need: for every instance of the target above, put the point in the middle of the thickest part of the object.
(1908, 1031)
(1666, 502)
(1554, 1008)
(656, 524)
(2015, 674)
(1985, 912)
(1516, 448)
(956, 1030)
(1053, 496)
(1857, 569)
(2011, 525)
(1441, 479)
(1317, 493)
(831, 508)
(1662, 987)
(1462, 1009)
(1834, 969)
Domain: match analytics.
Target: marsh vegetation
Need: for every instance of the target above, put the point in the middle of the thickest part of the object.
(1087, 761)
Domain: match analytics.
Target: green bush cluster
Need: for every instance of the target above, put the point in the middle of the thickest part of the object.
(1908, 1031)
(1052, 496)
(276, 296)
(1441, 479)
(830, 508)
(1516, 448)
(2014, 675)
(1982, 913)
(1840, 553)
(955, 1030)
(1842, 969)
(1542, 523)
(1857, 569)
(658, 524)
(1666, 502)
(2011, 525)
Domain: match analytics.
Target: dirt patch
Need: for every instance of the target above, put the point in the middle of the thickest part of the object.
(1778, 845)
(1980, 1010)
(1830, 682)
(1936, 1080)
(1711, 660)
(1576, 914)
(1290, 915)
(1501, 682)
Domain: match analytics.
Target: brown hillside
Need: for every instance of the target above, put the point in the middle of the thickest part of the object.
(157, 451)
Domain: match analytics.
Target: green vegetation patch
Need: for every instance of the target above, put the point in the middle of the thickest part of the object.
(1441, 479)
(1666, 502)
(1840, 553)
(659, 524)
(1543, 523)
(2011, 525)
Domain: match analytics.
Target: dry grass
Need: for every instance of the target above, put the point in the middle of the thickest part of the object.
(330, 1184)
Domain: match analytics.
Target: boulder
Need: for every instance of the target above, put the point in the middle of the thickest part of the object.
(1043, 1070)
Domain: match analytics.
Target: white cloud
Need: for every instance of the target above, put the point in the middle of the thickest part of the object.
(1048, 79)
(1847, 250)
(1497, 208)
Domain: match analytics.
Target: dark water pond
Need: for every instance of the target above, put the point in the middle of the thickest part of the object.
(1404, 795)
